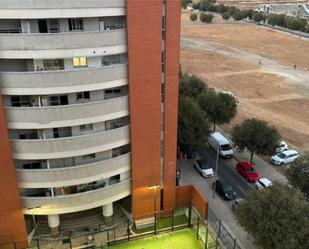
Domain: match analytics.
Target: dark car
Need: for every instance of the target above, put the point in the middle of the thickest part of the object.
(224, 189)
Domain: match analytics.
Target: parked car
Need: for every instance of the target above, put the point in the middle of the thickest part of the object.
(236, 203)
(284, 157)
(282, 146)
(204, 168)
(216, 139)
(263, 183)
(247, 171)
(224, 189)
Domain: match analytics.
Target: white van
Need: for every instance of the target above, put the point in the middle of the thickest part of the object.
(225, 148)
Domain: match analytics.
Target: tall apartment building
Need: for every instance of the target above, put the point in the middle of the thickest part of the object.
(88, 108)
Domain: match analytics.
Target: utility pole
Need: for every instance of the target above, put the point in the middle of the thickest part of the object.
(216, 172)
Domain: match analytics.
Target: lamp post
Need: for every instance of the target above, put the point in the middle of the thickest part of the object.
(33, 218)
(216, 171)
(154, 187)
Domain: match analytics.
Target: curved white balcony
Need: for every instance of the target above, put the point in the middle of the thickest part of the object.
(37, 9)
(59, 4)
(56, 82)
(66, 115)
(66, 40)
(68, 176)
(70, 146)
(76, 202)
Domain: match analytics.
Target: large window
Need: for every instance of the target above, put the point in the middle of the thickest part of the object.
(86, 127)
(20, 101)
(58, 100)
(76, 24)
(57, 64)
(80, 62)
(62, 132)
(83, 95)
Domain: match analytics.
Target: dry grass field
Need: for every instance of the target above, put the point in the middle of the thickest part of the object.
(226, 54)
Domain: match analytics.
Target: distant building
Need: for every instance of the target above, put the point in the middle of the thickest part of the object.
(289, 9)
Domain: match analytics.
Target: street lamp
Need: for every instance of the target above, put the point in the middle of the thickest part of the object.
(33, 218)
(154, 187)
(216, 171)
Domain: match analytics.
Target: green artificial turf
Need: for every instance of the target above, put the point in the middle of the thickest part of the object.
(185, 239)
(164, 223)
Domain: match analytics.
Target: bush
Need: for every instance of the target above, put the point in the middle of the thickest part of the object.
(193, 17)
(206, 18)
(296, 23)
(226, 15)
(221, 8)
(212, 7)
(275, 19)
(237, 16)
(258, 16)
(232, 10)
(196, 6)
(184, 3)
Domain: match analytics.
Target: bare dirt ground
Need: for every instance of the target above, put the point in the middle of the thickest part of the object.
(227, 56)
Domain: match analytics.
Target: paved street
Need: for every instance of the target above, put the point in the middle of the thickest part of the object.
(226, 170)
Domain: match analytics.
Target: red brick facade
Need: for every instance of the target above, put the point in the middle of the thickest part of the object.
(12, 224)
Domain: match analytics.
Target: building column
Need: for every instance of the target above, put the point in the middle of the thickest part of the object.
(108, 214)
(53, 223)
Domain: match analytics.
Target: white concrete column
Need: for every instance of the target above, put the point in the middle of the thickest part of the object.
(108, 210)
(108, 214)
(53, 223)
(125, 175)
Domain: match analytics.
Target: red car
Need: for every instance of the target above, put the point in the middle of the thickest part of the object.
(247, 171)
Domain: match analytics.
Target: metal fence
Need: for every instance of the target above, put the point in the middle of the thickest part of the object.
(222, 233)
(212, 233)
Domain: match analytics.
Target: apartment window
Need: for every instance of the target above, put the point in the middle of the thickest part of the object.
(34, 165)
(76, 24)
(57, 64)
(82, 95)
(86, 127)
(113, 59)
(111, 91)
(53, 25)
(58, 100)
(62, 132)
(20, 101)
(80, 62)
(89, 156)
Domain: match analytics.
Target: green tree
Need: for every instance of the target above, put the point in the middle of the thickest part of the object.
(277, 217)
(232, 10)
(191, 86)
(298, 174)
(206, 17)
(193, 125)
(196, 6)
(275, 19)
(193, 17)
(237, 16)
(221, 8)
(247, 13)
(226, 15)
(296, 23)
(257, 136)
(258, 16)
(184, 3)
(220, 107)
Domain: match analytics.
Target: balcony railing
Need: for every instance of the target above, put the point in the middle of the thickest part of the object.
(70, 146)
(66, 115)
(53, 82)
(77, 202)
(68, 176)
(66, 40)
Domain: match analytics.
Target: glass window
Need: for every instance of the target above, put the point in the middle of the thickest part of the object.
(83, 95)
(86, 127)
(80, 62)
(20, 101)
(89, 156)
(57, 64)
(76, 24)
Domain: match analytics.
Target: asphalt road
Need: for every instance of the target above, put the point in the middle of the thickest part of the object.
(221, 208)
(227, 171)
